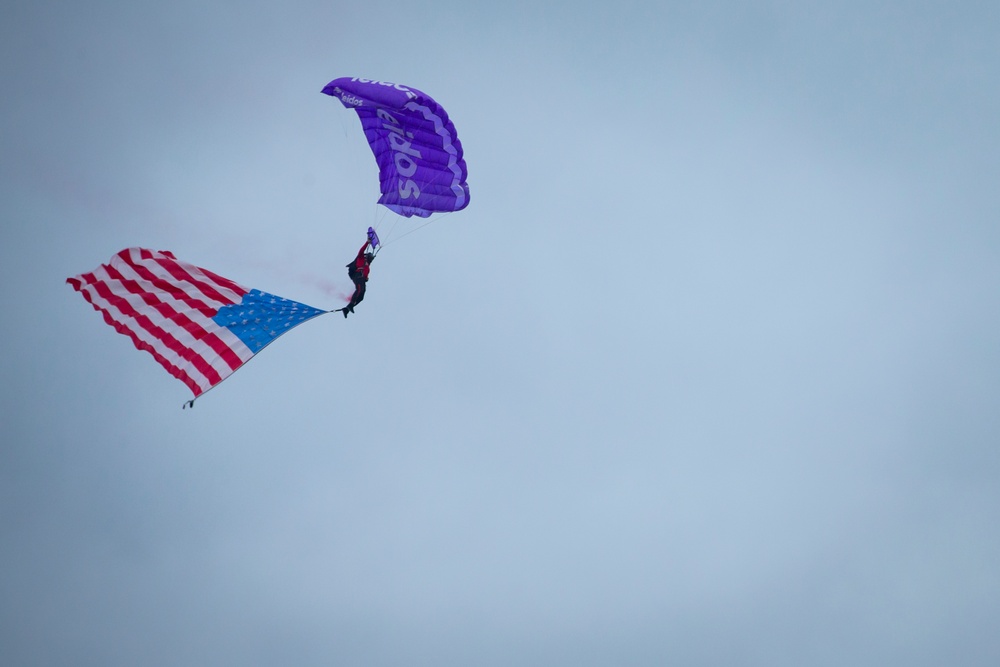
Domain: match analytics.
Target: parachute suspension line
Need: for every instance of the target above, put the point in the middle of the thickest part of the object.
(381, 212)
(419, 227)
(379, 215)
(349, 132)
(388, 237)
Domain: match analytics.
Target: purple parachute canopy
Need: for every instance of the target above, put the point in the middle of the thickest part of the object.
(419, 156)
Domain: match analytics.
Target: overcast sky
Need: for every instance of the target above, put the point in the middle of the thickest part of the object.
(707, 373)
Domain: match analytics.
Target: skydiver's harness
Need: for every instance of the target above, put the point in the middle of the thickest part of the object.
(355, 274)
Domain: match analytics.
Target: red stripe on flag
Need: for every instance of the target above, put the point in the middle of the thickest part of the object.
(169, 342)
(224, 282)
(196, 330)
(179, 270)
(171, 287)
(139, 343)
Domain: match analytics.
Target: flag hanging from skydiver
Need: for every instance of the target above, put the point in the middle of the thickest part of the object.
(199, 326)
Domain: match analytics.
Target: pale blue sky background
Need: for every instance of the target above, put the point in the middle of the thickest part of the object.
(707, 373)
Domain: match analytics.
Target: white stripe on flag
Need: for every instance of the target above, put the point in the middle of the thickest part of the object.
(228, 338)
(179, 364)
(172, 329)
(185, 285)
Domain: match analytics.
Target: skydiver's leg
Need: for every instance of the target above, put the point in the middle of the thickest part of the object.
(359, 294)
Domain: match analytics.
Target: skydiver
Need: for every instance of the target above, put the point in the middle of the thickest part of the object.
(357, 271)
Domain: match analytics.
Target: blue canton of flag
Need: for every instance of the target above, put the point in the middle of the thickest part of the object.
(261, 317)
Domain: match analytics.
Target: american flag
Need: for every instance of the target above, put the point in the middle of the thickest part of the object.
(199, 326)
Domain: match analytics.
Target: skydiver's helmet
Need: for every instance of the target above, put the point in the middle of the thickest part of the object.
(369, 256)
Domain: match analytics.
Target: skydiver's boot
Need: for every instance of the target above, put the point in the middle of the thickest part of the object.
(344, 310)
